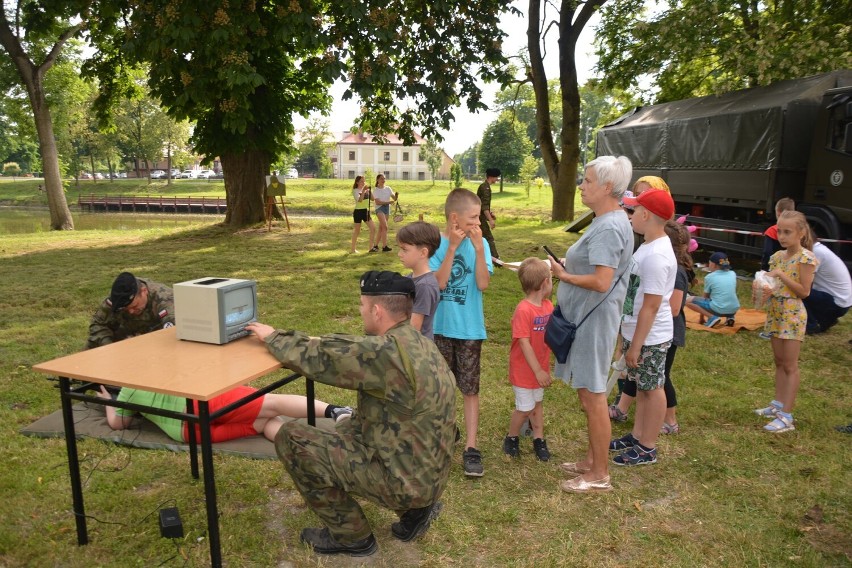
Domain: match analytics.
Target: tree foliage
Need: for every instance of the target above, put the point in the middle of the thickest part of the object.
(469, 160)
(504, 145)
(315, 140)
(433, 155)
(241, 68)
(695, 47)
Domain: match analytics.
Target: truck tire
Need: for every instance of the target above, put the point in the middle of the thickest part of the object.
(822, 221)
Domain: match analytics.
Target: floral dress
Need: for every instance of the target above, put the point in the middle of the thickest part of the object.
(786, 317)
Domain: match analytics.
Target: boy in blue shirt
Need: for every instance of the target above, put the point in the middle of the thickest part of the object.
(720, 293)
(463, 267)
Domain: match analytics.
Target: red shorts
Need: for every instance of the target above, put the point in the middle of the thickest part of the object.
(239, 423)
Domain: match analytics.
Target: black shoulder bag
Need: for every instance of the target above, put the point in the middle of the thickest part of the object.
(559, 332)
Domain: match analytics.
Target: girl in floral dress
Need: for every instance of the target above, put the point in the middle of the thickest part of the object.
(786, 317)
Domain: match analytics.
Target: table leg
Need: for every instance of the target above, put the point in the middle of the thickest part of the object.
(209, 484)
(73, 461)
(193, 446)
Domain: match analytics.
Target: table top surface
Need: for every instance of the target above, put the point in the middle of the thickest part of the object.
(161, 362)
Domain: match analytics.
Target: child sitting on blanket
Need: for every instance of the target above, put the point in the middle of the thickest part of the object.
(720, 293)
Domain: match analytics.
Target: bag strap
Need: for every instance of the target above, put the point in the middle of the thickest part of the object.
(398, 209)
(604, 298)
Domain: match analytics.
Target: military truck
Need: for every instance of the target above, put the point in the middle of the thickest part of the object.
(729, 158)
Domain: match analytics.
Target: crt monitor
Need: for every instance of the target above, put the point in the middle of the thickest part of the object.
(214, 310)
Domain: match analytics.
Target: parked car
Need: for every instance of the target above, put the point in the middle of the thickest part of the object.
(219, 175)
(292, 173)
(85, 175)
(175, 173)
(158, 174)
(206, 174)
(99, 175)
(189, 174)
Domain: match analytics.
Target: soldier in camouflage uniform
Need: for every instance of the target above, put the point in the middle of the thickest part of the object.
(396, 449)
(135, 306)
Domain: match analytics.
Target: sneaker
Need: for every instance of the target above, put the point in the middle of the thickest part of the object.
(729, 322)
(472, 463)
(764, 335)
(636, 456)
(712, 321)
(540, 449)
(624, 443)
(844, 429)
(415, 522)
(511, 447)
(323, 543)
(341, 412)
(770, 411)
(526, 429)
(374, 249)
(386, 249)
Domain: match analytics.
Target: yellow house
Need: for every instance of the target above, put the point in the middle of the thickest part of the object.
(354, 154)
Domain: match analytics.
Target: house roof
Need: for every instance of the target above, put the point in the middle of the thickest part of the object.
(364, 138)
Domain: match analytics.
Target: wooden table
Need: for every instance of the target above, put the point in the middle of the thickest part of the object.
(160, 362)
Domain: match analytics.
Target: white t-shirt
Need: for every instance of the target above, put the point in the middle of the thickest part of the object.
(653, 272)
(382, 193)
(832, 276)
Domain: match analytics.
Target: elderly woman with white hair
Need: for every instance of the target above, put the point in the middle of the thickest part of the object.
(593, 283)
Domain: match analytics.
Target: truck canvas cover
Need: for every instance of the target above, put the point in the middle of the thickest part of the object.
(752, 129)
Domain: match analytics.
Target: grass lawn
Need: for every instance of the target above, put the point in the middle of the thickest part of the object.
(724, 493)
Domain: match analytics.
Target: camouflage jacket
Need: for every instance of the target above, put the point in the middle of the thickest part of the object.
(405, 415)
(107, 326)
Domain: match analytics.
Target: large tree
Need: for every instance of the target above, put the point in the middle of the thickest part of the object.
(241, 68)
(33, 39)
(561, 164)
(695, 47)
(504, 146)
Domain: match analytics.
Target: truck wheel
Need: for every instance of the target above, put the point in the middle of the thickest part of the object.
(822, 221)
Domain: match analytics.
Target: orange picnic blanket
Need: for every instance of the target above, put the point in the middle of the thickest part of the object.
(746, 318)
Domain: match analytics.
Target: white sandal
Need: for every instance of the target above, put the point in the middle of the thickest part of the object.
(780, 424)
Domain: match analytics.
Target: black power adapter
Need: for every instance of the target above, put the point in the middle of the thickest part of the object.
(170, 523)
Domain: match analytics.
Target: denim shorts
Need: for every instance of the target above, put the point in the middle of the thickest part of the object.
(383, 209)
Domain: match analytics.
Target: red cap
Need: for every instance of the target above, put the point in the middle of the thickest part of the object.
(656, 201)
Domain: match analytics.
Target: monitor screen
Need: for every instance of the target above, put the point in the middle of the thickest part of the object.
(239, 306)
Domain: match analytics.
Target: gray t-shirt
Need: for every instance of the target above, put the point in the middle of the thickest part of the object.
(427, 293)
(608, 241)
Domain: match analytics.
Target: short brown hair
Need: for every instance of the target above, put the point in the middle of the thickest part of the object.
(420, 234)
(785, 204)
(532, 274)
(396, 305)
(459, 200)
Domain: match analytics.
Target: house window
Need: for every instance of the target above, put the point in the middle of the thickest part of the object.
(351, 174)
(352, 155)
(421, 176)
(405, 156)
(387, 156)
(405, 174)
(386, 174)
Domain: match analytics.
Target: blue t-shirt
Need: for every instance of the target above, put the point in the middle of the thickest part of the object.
(721, 286)
(459, 314)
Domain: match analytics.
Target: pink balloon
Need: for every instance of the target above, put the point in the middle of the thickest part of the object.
(693, 245)
(691, 228)
(681, 219)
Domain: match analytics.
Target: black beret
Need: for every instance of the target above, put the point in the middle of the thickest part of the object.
(123, 291)
(492, 172)
(385, 283)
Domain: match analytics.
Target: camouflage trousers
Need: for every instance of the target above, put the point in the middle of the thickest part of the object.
(488, 235)
(328, 469)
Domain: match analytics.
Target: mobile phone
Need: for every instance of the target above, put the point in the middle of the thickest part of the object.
(550, 253)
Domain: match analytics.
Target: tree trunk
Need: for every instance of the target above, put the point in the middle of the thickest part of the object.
(561, 168)
(245, 186)
(60, 215)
